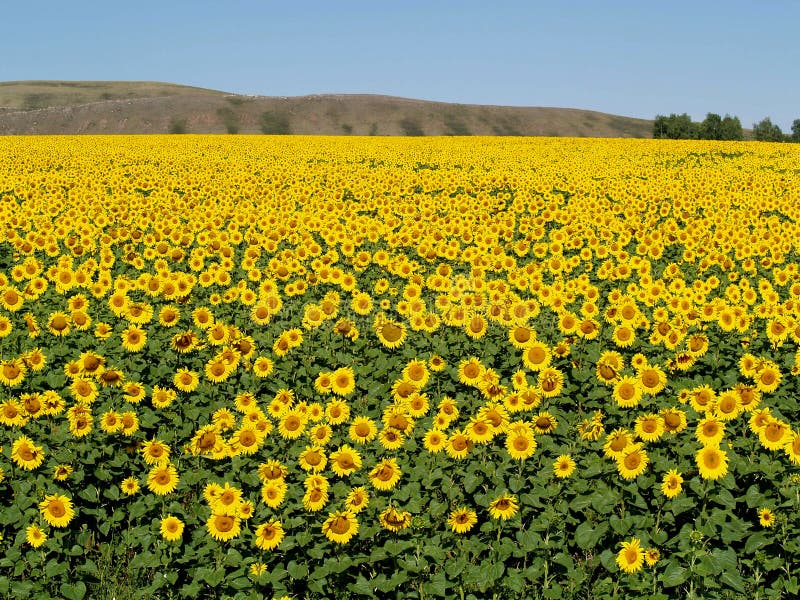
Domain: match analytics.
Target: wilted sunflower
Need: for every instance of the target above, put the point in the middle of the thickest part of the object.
(394, 520)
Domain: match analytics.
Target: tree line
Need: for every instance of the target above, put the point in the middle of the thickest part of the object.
(714, 127)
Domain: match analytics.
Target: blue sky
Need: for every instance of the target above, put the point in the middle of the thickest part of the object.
(630, 58)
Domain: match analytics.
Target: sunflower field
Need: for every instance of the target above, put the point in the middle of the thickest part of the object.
(319, 367)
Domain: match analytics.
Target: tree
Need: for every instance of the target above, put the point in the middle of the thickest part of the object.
(731, 128)
(711, 127)
(675, 127)
(795, 137)
(766, 131)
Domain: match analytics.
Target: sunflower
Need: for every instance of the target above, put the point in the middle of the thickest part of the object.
(340, 526)
(315, 499)
(391, 334)
(129, 486)
(792, 447)
(12, 413)
(343, 381)
(462, 520)
(470, 371)
(357, 500)
(57, 510)
(394, 520)
(62, 472)
(768, 378)
(712, 462)
(671, 484)
(550, 382)
(479, 431)
(162, 479)
(363, 430)
(458, 445)
(627, 392)
(674, 420)
(536, 356)
(564, 466)
(652, 556)
(186, 380)
(292, 424)
(12, 371)
(312, 459)
(171, 528)
(26, 454)
(155, 452)
(223, 527)
(633, 461)
(775, 434)
(337, 412)
(652, 379)
(434, 441)
(520, 445)
(273, 492)
(58, 323)
(385, 475)
(631, 558)
(133, 339)
(504, 507)
(766, 517)
(263, 367)
(544, 423)
(35, 536)
(345, 461)
(649, 427)
(269, 535)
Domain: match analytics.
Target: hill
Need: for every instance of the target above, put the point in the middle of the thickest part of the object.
(100, 107)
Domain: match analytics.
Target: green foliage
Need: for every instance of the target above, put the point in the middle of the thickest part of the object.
(178, 125)
(411, 127)
(275, 122)
(675, 127)
(229, 118)
(795, 135)
(767, 131)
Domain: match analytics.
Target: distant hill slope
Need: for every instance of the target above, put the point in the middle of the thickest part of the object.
(99, 107)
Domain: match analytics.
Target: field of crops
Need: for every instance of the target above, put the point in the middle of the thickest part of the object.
(346, 367)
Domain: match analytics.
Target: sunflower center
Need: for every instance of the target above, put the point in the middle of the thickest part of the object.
(619, 443)
(520, 443)
(650, 378)
(632, 461)
(340, 525)
(224, 523)
(711, 460)
(56, 508)
(247, 438)
(773, 432)
(391, 332)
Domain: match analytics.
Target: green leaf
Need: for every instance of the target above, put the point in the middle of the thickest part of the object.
(674, 574)
(587, 534)
(754, 542)
(54, 568)
(73, 591)
(438, 584)
(733, 580)
(296, 571)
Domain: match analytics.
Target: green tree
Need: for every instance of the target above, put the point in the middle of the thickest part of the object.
(795, 137)
(766, 131)
(711, 127)
(731, 128)
(675, 127)
(275, 122)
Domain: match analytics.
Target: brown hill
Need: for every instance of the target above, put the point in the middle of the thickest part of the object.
(67, 107)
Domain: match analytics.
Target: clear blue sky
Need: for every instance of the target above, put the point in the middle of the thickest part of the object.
(635, 58)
